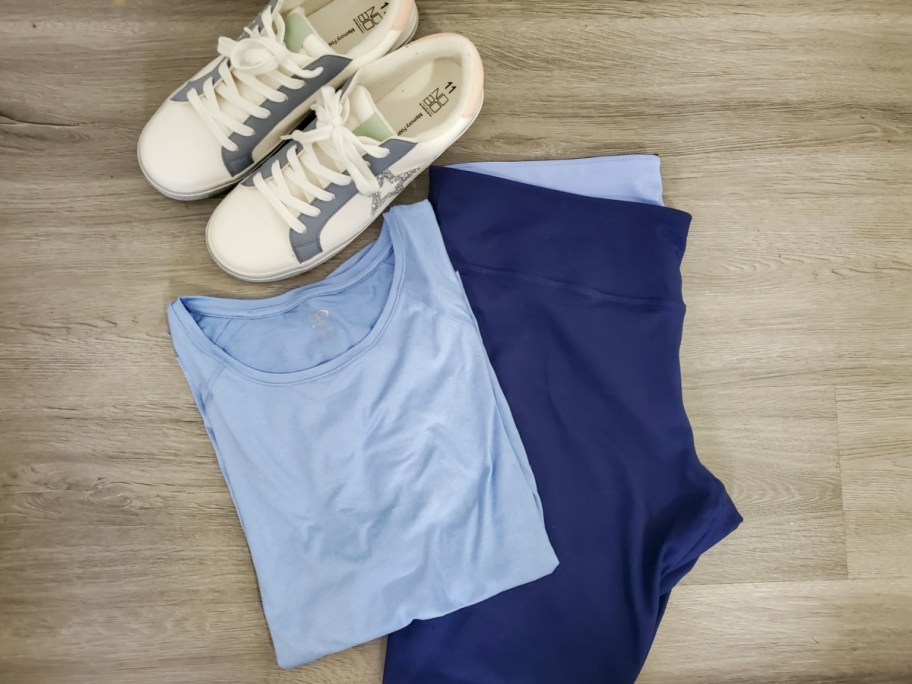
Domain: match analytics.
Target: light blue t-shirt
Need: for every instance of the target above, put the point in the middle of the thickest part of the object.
(370, 454)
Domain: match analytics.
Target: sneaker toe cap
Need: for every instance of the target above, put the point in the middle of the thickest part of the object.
(247, 238)
(179, 154)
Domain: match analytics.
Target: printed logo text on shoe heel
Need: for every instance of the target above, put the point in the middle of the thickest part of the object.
(364, 22)
(369, 19)
(431, 104)
(439, 97)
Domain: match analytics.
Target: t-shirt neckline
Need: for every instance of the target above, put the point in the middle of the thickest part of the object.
(348, 274)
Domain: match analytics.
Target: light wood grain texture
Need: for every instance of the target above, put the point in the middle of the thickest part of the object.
(806, 631)
(784, 127)
(876, 455)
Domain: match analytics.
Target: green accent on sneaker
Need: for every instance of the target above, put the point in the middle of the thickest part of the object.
(374, 128)
(297, 28)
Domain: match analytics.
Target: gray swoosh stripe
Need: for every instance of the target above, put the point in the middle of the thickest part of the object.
(257, 22)
(242, 158)
(197, 83)
(307, 245)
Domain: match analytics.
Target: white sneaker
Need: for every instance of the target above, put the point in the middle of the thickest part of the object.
(333, 178)
(231, 115)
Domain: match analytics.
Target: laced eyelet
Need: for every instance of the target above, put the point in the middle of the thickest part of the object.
(331, 197)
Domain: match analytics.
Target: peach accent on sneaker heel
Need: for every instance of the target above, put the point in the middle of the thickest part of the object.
(406, 7)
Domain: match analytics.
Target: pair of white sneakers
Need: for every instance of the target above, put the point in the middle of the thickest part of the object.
(297, 204)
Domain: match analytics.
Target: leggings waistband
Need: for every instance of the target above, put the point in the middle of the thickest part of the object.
(623, 249)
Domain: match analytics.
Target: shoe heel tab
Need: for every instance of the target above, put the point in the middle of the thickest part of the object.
(446, 35)
(475, 69)
(404, 15)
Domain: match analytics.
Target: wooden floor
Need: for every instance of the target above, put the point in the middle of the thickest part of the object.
(784, 127)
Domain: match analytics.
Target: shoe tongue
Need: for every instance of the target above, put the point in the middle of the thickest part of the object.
(301, 37)
(364, 118)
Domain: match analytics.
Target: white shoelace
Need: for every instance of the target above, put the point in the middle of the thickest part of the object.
(260, 54)
(303, 167)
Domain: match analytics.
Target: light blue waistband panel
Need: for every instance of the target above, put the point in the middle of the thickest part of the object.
(630, 177)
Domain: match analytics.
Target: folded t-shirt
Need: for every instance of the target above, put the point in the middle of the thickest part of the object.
(371, 456)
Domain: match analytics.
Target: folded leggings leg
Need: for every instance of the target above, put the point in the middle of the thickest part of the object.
(578, 302)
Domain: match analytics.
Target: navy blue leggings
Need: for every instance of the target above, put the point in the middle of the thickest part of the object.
(578, 301)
